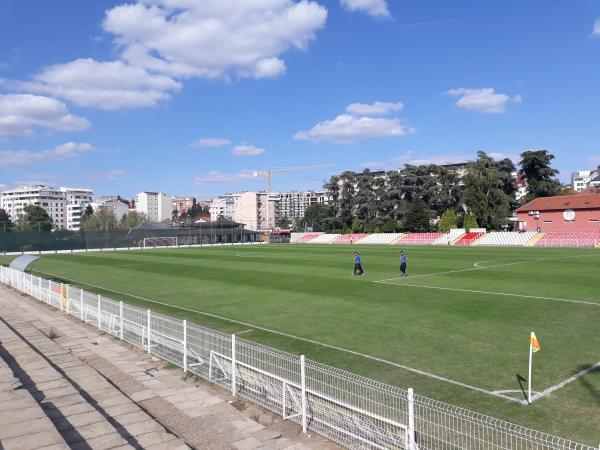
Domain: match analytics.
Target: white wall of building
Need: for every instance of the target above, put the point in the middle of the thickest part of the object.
(581, 180)
(157, 206)
(223, 206)
(62, 205)
(76, 201)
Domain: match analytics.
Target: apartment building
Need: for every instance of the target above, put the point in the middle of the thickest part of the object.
(581, 180)
(253, 210)
(293, 204)
(157, 206)
(182, 204)
(53, 200)
(76, 200)
(223, 206)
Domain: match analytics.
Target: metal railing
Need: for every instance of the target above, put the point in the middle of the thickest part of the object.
(354, 411)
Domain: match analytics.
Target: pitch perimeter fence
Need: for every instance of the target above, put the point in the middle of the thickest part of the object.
(354, 411)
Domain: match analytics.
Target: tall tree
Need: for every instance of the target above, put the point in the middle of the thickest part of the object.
(417, 217)
(284, 223)
(87, 212)
(540, 176)
(5, 222)
(132, 220)
(366, 198)
(35, 219)
(103, 219)
(484, 193)
(448, 221)
(318, 217)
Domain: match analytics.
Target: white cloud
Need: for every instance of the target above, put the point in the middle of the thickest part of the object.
(215, 176)
(484, 100)
(21, 114)
(211, 38)
(210, 143)
(105, 85)
(347, 128)
(60, 152)
(247, 150)
(596, 30)
(376, 8)
(374, 109)
(111, 175)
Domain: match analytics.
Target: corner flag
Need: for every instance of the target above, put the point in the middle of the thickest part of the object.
(535, 344)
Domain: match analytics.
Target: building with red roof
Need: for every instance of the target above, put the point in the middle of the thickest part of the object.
(561, 213)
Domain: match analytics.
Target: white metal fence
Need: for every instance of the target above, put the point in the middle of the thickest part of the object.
(351, 410)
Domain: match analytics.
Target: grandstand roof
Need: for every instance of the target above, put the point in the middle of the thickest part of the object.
(562, 202)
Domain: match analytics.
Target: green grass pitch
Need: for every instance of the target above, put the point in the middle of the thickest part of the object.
(461, 319)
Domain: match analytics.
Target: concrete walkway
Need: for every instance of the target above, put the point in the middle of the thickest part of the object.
(63, 385)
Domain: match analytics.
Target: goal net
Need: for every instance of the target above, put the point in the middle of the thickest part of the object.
(160, 242)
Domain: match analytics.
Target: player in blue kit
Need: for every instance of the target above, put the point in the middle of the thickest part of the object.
(358, 270)
(403, 260)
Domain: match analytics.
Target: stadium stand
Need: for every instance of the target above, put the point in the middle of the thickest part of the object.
(418, 239)
(506, 239)
(470, 238)
(349, 238)
(303, 238)
(450, 237)
(381, 238)
(569, 239)
(324, 238)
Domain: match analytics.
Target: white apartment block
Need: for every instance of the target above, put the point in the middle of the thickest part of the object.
(581, 180)
(293, 204)
(223, 206)
(157, 206)
(76, 201)
(14, 201)
(251, 210)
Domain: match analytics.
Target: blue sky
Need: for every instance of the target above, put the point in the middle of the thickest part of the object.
(190, 97)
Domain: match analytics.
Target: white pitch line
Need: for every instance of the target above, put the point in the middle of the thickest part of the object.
(477, 267)
(563, 383)
(505, 294)
(291, 336)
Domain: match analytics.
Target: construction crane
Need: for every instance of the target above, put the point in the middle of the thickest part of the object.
(268, 172)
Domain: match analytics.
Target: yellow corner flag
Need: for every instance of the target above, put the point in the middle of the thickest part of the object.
(535, 344)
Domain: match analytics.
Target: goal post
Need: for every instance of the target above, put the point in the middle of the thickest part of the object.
(154, 242)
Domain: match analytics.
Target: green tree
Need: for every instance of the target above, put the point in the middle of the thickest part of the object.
(470, 222)
(87, 212)
(417, 217)
(35, 219)
(318, 217)
(132, 220)
(389, 226)
(5, 222)
(541, 178)
(448, 221)
(103, 219)
(484, 194)
(284, 223)
(358, 226)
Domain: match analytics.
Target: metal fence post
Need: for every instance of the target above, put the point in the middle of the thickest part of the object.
(121, 320)
(99, 321)
(31, 284)
(233, 387)
(49, 292)
(303, 382)
(40, 288)
(185, 346)
(148, 331)
(411, 419)
(81, 305)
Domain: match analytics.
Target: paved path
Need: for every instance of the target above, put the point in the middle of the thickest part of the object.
(63, 385)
